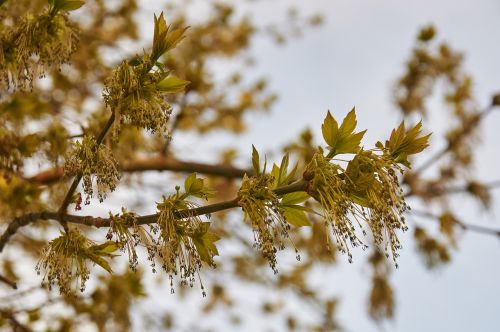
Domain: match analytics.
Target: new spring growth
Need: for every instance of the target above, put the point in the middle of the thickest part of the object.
(183, 244)
(65, 260)
(93, 161)
(127, 235)
(367, 191)
(262, 209)
(136, 90)
(38, 43)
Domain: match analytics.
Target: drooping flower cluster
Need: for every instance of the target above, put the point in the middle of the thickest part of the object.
(35, 44)
(65, 260)
(123, 229)
(184, 240)
(329, 188)
(136, 90)
(367, 192)
(132, 95)
(373, 181)
(261, 207)
(90, 160)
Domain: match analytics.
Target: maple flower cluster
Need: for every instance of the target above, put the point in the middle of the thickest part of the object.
(184, 241)
(65, 260)
(37, 43)
(90, 160)
(261, 207)
(368, 190)
(136, 90)
(127, 234)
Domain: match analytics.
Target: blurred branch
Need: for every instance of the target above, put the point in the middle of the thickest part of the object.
(457, 189)
(160, 163)
(451, 144)
(465, 226)
(16, 325)
(141, 220)
(8, 282)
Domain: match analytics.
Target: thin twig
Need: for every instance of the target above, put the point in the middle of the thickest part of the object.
(29, 218)
(465, 226)
(16, 325)
(159, 163)
(441, 153)
(456, 189)
(7, 281)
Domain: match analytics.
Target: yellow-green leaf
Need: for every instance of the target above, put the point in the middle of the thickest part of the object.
(72, 5)
(295, 216)
(403, 143)
(171, 84)
(255, 160)
(343, 139)
(295, 198)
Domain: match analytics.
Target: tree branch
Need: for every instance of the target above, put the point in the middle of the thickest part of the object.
(29, 218)
(160, 163)
(465, 226)
(441, 153)
(456, 189)
(16, 325)
(7, 281)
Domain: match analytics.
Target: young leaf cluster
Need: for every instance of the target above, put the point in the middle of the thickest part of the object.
(136, 90)
(367, 191)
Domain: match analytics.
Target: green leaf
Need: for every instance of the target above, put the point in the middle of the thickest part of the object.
(330, 129)
(205, 245)
(101, 262)
(343, 139)
(171, 84)
(104, 249)
(255, 160)
(403, 143)
(295, 216)
(193, 185)
(72, 5)
(295, 198)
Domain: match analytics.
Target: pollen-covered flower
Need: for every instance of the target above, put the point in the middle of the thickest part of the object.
(90, 160)
(34, 45)
(261, 207)
(65, 260)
